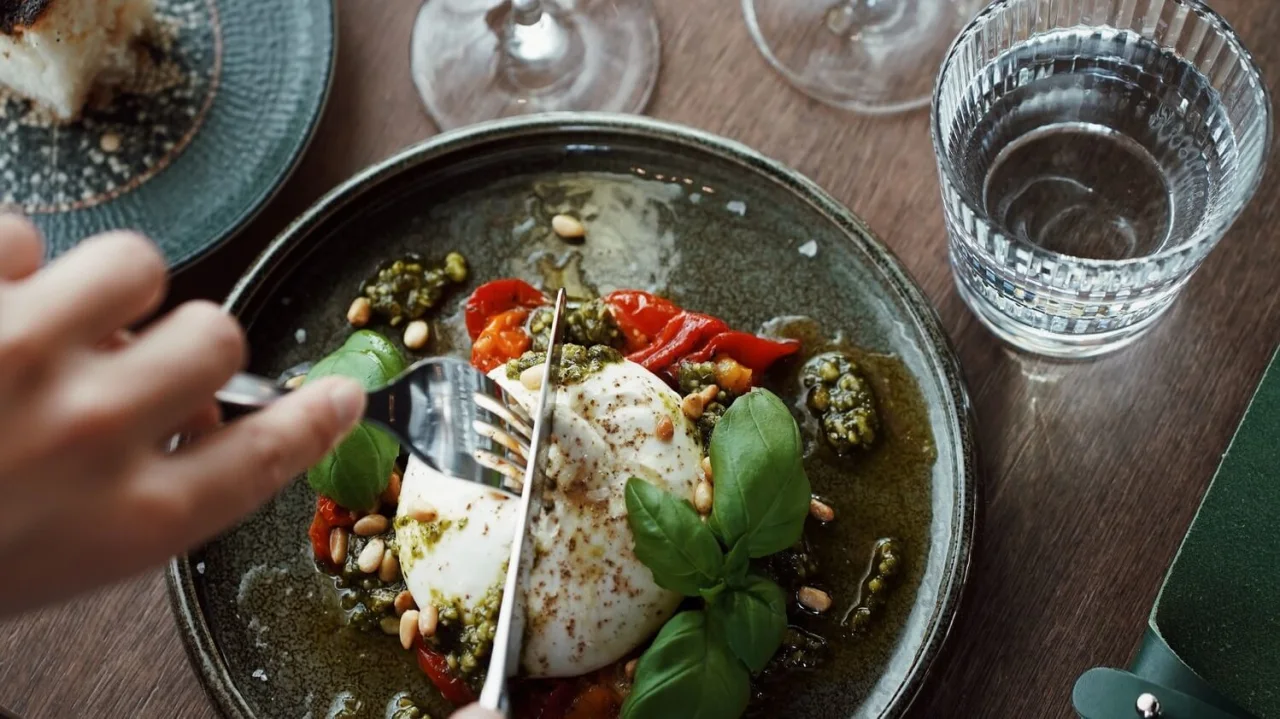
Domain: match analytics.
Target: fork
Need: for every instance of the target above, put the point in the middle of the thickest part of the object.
(446, 412)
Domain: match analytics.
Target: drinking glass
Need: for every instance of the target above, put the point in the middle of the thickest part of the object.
(871, 56)
(476, 60)
(1092, 153)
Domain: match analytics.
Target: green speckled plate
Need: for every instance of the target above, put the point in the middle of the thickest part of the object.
(217, 119)
(709, 222)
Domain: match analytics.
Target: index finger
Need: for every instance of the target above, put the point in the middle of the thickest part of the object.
(231, 472)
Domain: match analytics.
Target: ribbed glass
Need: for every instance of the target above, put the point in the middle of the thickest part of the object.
(1091, 154)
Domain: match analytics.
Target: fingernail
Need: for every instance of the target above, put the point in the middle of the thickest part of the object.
(347, 398)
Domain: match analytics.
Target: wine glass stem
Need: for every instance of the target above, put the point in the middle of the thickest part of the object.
(526, 12)
(850, 17)
(539, 48)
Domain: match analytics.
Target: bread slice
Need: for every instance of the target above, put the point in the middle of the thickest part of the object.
(57, 52)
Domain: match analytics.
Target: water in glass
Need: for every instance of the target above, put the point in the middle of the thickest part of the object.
(1089, 162)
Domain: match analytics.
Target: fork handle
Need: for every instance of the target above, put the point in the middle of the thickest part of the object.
(247, 390)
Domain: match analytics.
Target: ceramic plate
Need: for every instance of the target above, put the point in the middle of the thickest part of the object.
(706, 221)
(223, 109)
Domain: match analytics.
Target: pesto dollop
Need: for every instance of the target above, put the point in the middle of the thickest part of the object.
(841, 397)
(576, 362)
(588, 323)
(405, 289)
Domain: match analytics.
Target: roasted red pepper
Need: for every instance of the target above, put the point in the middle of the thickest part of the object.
(758, 353)
(436, 667)
(494, 298)
(684, 334)
(328, 515)
(640, 315)
(502, 340)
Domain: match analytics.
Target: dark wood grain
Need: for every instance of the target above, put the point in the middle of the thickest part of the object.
(1092, 471)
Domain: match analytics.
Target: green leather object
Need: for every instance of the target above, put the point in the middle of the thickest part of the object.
(1212, 645)
(1219, 609)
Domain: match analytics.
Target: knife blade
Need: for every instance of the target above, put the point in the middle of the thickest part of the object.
(508, 637)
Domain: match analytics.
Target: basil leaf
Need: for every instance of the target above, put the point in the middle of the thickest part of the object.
(671, 540)
(762, 493)
(358, 469)
(754, 618)
(389, 357)
(688, 672)
(736, 564)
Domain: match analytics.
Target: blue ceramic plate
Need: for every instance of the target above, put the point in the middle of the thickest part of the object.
(225, 105)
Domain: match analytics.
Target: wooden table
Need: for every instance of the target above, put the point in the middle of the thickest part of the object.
(1092, 471)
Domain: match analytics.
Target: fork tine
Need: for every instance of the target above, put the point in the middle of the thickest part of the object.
(520, 413)
(484, 429)
(519, 423)
(501, 465)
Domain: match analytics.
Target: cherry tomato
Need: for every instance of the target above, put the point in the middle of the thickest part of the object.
(328, 515)
(493, 298)
(436, 667)
(503, 339)
(640, 315)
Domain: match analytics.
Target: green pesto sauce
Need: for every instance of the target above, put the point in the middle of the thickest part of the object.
(422, 537)
(841, 397)
(466, 632)
(576, 362)
(404, 289)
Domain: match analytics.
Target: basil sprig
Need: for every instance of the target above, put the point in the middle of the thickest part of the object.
(699, 665)
(358, 469)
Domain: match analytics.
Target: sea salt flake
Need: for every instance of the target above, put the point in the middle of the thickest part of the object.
(737, 207)
(809, 249)
(300, 336)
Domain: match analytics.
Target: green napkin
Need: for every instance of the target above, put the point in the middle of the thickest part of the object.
(1219, 609)
(1212, 644)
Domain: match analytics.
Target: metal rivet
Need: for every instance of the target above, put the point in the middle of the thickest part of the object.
(1148, 706)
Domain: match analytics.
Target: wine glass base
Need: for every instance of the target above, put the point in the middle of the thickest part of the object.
(598, 55)
(870, 56)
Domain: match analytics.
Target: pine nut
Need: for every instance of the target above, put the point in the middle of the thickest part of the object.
(389, 625)
(359, 312)
(702, 497)
(416, 334)
(693, 406)
(371, 556)
(531, 378)
(390, 569)
(404, 602)
(428, 619)
(338, 545)
(820, 510)
(709, 394)
(568, 227)
(408, 628)
(370, 525)
(666, 429)
(295, 381)
(630, 670)
(706, 469)
(391, 495)
(421, 511)
(815, 599)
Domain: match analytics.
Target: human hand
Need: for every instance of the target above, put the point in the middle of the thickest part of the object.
(475, 711)
(88, 493)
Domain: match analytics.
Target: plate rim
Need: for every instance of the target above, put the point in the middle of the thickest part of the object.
(197, 636)
(254, 209)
